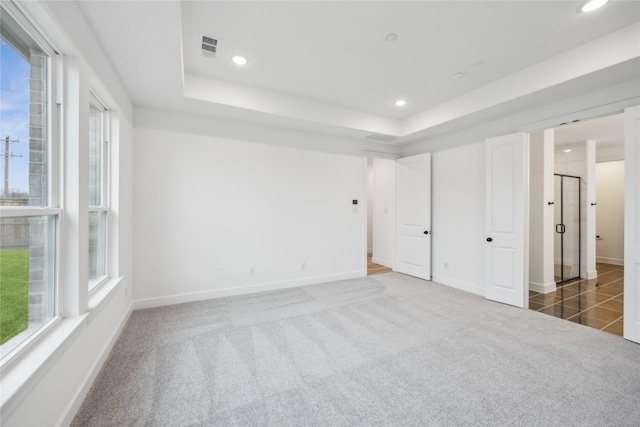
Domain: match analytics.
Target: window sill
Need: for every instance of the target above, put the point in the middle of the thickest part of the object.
(102, 292)
(33, 361)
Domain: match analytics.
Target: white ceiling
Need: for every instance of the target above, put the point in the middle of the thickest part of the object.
(605, 131)
(325, 66)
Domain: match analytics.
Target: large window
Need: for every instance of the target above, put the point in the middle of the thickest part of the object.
(98, 192)
(28, 201)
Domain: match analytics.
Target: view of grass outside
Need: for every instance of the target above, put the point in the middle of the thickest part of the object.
(26, 258)
(14, 293)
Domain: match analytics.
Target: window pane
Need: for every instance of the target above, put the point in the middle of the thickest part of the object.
(23, 122)
(95, 156)
(27, 276)
(97, 246)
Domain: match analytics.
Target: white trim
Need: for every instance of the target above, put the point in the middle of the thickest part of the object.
(98, 209)
(383, 262)
(24, 374)
(364, 214)
(592, 274)
(242, 290)
(23, 342)
(22, 211)
(21, 374)
(381, 155)
(69, 413)
(606, 260)
(591, 113)
(463, 286)
(542, 288)
(14, 9)
(631, 327)
(101, 291)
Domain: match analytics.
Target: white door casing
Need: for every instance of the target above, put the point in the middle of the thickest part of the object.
(507, 219)
(413, 216)
(631, 327)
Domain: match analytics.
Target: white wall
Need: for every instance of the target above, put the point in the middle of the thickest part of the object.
(610, 212)
(541, 231)
(606, 153)
(536, 217)
(458, 213)
(207, 209)
(384, 209)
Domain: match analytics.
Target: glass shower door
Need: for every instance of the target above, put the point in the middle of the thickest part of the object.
(567, 228)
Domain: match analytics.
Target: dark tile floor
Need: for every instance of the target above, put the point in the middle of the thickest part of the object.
(597, 302)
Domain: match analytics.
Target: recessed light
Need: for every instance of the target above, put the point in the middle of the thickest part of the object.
(593, 5)
(457, 76)
(240, 60)
(568, 150)
(401, 103)
(391, 37)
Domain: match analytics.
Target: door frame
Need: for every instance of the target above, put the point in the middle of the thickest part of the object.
(631, 190)
(365, 204)
(631, 329)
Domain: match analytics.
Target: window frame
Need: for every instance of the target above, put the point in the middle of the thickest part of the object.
(105, 186)
(52, 208)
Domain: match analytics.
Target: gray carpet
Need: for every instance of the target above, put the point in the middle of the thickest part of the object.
(384, 350)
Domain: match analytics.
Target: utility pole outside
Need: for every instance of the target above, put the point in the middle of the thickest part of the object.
(7, 155)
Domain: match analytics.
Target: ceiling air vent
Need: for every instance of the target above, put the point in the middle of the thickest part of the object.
(209, 46)
(381, 137)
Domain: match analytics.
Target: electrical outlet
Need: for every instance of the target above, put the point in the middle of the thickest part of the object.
(252, 270)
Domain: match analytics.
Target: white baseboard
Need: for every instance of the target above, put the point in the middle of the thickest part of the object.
(605, 260)
(592, 274)
(542, 288)
(381, 261)
(71, 410)
(369, 251)
(468, 287)
(241, 290)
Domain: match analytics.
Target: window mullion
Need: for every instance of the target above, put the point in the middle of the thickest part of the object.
(14, 212)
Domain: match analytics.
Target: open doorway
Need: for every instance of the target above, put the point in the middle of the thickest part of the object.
(380, 215)
(577, 205)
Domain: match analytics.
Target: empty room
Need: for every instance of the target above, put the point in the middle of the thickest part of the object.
(319, 213)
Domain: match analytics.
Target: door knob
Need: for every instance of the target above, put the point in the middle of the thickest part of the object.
(489, 239)
(426, 232)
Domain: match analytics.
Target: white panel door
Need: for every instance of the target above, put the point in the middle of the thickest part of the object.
(631, 328)
(506, 219)
(413, 216)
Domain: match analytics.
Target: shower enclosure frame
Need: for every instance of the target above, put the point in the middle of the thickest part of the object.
(563, 227)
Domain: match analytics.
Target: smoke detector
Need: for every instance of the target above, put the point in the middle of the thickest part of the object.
(208, 46)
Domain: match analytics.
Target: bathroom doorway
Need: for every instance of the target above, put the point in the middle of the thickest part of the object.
(582, 279)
